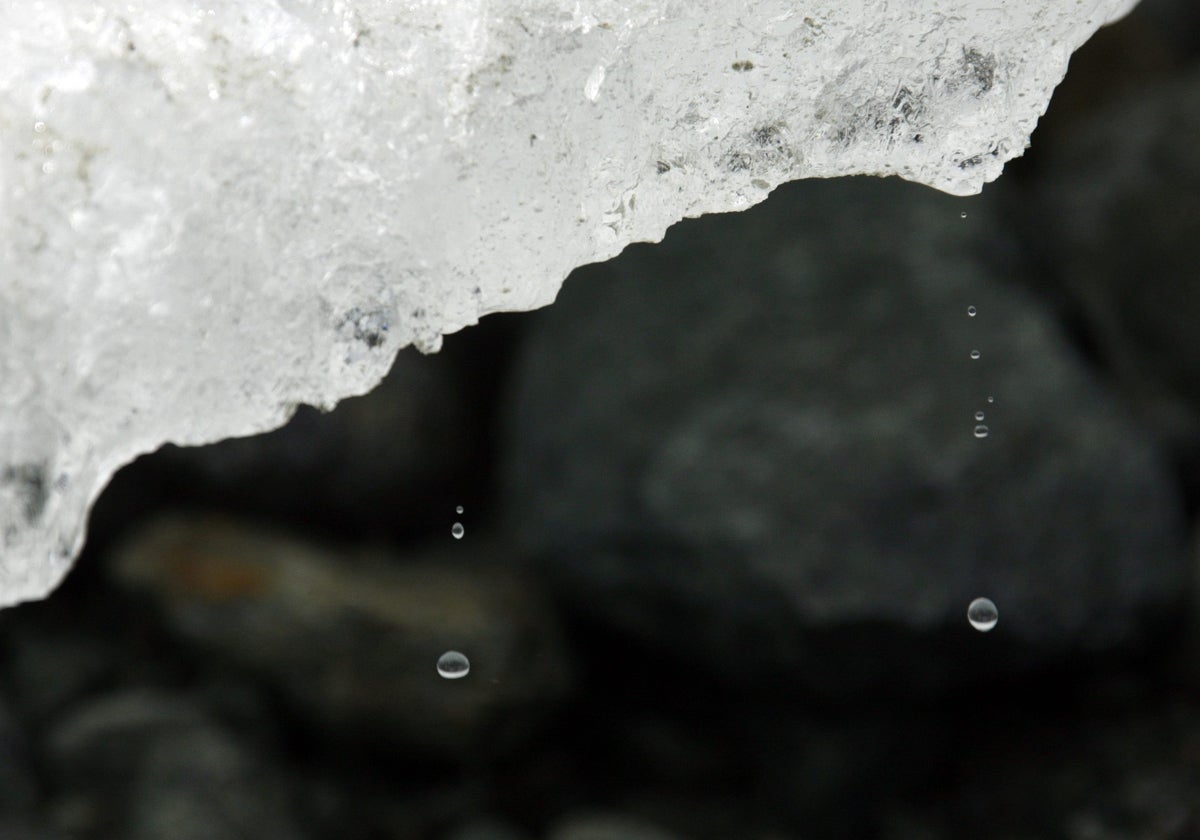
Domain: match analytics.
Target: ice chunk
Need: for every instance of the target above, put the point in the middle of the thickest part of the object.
(210, 213)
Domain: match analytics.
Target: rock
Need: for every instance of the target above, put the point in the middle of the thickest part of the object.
(145, 765)
(1122, 203)
(49, 666)
(17, 789)
(209, 236)
(753, 448)
(22, 829)
(487, 830)
(607, 827)
(1112, 775)
(352, 639)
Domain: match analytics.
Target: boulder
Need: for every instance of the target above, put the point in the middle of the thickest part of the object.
(754, 448)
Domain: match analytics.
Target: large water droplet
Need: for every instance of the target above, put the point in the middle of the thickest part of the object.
(452, 665)
(982, 614)
(975, 354)
(981, 431)
(971, 310)
(978, 416)
(457, 530)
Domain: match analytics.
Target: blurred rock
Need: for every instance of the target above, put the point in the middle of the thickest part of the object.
(17, 790)
(487, 830)
(147, 765)
(14, 828)
(1122, 202)
(352, 639)
(1130, 775)
(50, 666)
(753, 447)
(607, 827)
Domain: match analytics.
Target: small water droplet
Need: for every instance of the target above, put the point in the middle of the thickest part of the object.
(982, 614)
(991, 399)
(457, 530)
(459, 510)
(971, 311)
(48, 167)
(452, 665)
(981, 431)
(963, 214)
(39, 127)
(975, 354)
(978, 416)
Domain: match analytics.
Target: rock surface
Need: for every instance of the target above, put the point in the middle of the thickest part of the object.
(1124, 207)
(352, 640)
(211, 216)
(147, 764)
(766, 461)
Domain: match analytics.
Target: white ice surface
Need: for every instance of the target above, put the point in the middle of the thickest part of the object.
(211, 212)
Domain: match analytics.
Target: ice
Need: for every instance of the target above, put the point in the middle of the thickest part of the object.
(213, 212)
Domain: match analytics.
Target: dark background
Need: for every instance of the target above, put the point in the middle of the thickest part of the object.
(724, 508)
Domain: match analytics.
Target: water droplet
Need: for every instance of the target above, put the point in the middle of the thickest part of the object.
(975, 354)
(981, 431)
(457, 530)
(39, 127)
(991, 399)
(978, 416)
(452, 665)
(982, 614)
(459, 510)
(963, 214)
(48, 167)
(971, 311)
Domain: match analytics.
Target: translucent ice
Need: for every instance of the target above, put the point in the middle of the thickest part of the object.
(212, 212)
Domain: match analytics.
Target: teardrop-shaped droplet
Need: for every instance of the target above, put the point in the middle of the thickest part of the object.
(457, 530)
(981, 431)
(982, 614)
(452, 665)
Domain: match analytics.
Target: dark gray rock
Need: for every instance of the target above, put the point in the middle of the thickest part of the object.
(351, 639)
(17, 789)
(16, 828)
(598, 826)
(143, 764)
(485, 829)
(752, 446)
(1102, 775)
(1122, 206)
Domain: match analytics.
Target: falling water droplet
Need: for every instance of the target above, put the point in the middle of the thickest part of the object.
(452, 665)
(459, 510)
(991, 400)
(981, 431)
(982, 614)
(971, 310)
(457, 530)
(975, 354)
(978, 416)
(963, 214)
